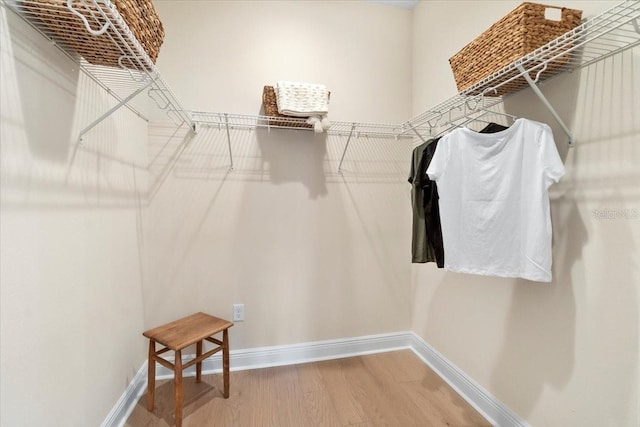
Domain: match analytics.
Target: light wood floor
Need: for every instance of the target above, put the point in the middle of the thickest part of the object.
(385, 389)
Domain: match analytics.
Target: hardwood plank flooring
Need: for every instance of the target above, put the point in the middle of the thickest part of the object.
(384, 389)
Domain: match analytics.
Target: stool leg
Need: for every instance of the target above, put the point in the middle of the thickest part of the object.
(199, 364)
(225, 361)
(178, 387)
(151, 375)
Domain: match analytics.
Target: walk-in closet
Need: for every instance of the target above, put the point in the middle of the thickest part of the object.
(149, 170)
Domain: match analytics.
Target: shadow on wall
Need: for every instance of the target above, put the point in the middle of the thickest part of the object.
(71, 245)
(175, 150)
(287, 248)
(321, 252)
(188, 176)
(295, 156)
(531, 356)
(576, 338)
(538, 346)
(51, 101)
(45, 101)
(531, 324)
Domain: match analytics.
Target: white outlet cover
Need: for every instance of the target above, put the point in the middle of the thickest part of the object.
(238, 312)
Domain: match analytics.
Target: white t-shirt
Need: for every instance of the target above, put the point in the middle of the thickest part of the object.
(494, 204)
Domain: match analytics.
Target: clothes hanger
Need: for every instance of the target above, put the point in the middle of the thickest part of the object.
(483, 108)
(431, 127)
(466, 122)
(500, 113)
(434, 125)
(477, 107)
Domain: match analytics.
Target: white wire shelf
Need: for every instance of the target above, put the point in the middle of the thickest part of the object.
(607, 34)
(600, 37)
(229, 122)
(104, 26)
(245, 121)
(597, 38)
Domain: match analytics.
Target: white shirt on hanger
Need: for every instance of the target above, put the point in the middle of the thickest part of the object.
(494, 202)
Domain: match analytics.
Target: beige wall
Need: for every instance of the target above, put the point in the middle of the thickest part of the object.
(231, 49)
(138, 228)
(312, 253)
(70, 253)
(133, 228)
(564, 353)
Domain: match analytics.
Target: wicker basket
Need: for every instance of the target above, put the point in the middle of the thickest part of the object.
(69, 29)
(520, 32)
(271, 109)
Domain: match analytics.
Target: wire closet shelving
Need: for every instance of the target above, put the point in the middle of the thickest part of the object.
(136, 72)
(597, 38)
(604, 35)
(600, 37)
(242, 121)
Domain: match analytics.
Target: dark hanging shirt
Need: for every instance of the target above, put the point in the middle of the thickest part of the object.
(426, 242)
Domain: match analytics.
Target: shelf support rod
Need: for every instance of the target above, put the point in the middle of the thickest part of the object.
(545, 101)
(416, 132)
(112, 110)
(226, 122)
(353, 126)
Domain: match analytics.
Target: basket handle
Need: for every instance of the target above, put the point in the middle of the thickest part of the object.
(552, 17)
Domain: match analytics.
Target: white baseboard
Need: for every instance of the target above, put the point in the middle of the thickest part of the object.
(124, 406)
(487, 405)
(484, 402)
(281, 355)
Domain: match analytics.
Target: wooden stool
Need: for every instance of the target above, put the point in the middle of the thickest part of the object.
(180, 334)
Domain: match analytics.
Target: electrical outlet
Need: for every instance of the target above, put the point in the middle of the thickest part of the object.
(238, 312)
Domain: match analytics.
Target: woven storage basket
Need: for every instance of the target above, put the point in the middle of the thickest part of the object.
(271, 109)
(520, 32)
(140, 16)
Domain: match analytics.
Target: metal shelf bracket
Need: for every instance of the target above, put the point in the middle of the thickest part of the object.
(226, 123)
(416, 132)
(112, 110)
(100, 18)
(353, 127)
(545, 101)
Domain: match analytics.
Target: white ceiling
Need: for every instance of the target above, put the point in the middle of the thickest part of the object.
(405, 4)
